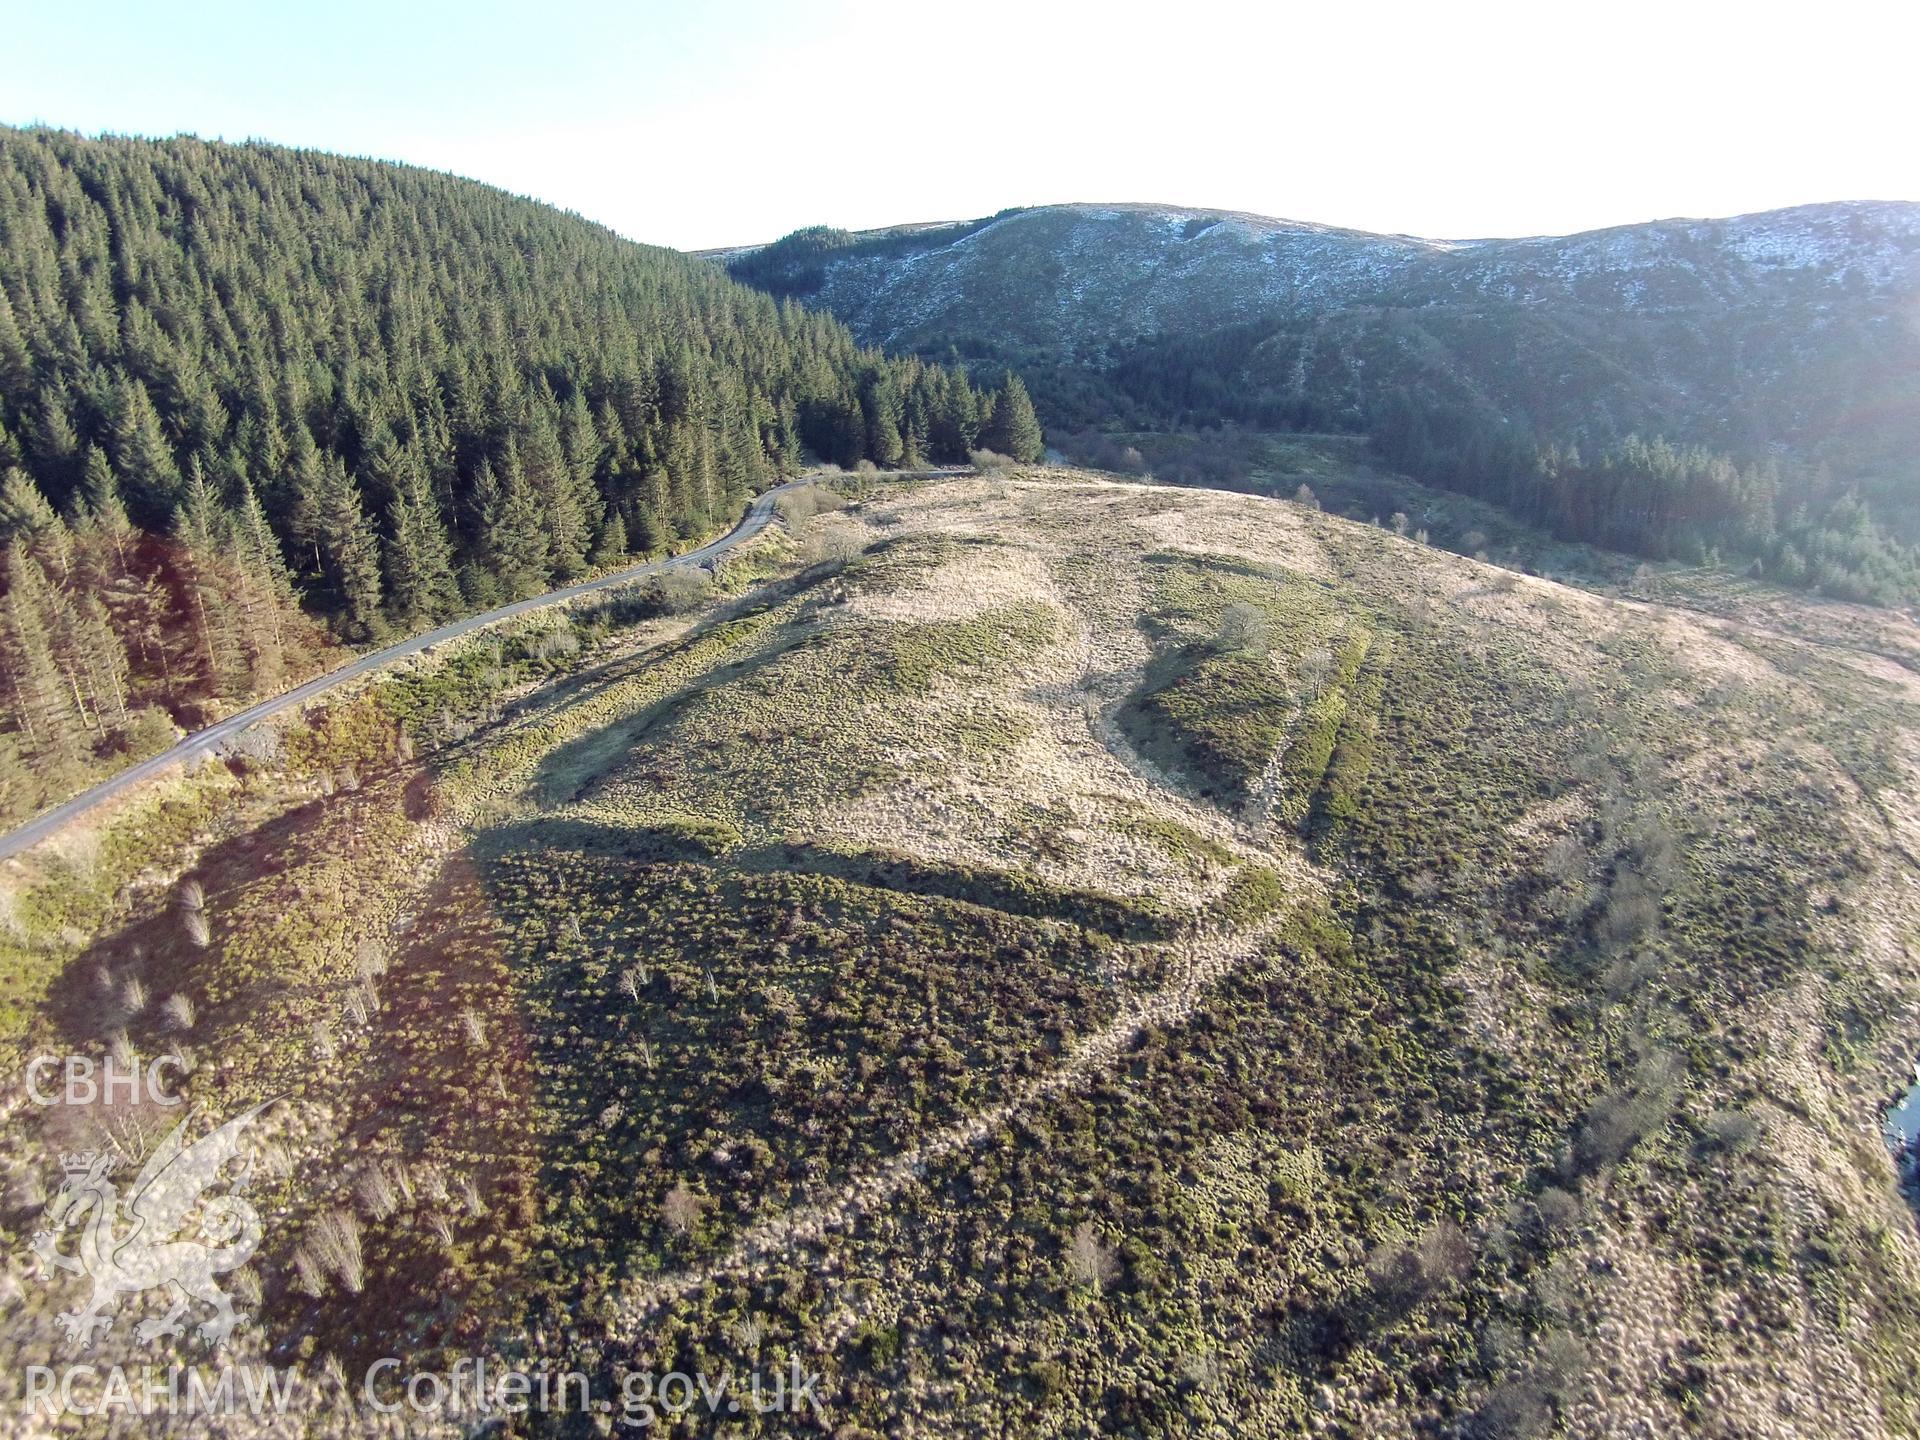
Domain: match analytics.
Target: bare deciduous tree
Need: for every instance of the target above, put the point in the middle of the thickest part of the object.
(312, 1279)
(1244, 630)
(369, 959)
(1313, 670)
(1090, 1260)
(681, 1209)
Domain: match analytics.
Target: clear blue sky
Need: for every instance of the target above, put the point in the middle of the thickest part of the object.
(697, 125)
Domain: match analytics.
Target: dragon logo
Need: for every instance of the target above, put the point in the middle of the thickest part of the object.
(129, 1247)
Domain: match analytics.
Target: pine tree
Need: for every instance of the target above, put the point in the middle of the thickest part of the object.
(268, 598)
(41, 705)
(23, 509)
(610, 545)
(349, 551)
(56, 445)
(1014, 430)
(420, 586)
(512, 541)
(214, 405)
(141, 455)
(958, 427)
(880, 403)
(554, 486)
(202, 529)
(16, 365)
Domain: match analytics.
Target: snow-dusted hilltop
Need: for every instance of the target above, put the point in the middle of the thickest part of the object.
(1090, 275)
(1794, 333)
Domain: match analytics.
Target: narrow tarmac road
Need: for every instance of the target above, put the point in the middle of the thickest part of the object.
(207, 741)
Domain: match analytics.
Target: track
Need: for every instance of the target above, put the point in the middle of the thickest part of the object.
(209, 740)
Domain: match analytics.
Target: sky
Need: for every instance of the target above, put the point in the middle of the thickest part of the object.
(735, 121)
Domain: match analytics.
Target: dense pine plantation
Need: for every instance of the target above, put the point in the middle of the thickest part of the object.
(255, 402)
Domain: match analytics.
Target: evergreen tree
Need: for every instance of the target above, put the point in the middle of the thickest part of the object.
(610, 545)
(141, 454)
(420, 586)
(23, 509)
(266, 592)
(1014, 430)
(202, 529)
(255, 379)
(554, 489)
(40, 702)
(349, 551)
(512, 540)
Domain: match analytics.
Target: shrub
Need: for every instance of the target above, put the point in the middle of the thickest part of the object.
(334, 1241)
(679, 590)
(802, 503)
(1406, 1273)
(1621, 1119)
(1090, 1260)
(832, 541)
(1559, 1212)
(1514, 1411)
(1735, 1131)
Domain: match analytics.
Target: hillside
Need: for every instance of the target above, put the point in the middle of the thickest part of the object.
(1780, 344)
(1061, 956)
(257, 402)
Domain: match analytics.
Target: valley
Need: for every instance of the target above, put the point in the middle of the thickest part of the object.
(1732, 392)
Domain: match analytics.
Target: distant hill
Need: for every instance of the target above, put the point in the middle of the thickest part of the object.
(1786, 340)
(1764, 329)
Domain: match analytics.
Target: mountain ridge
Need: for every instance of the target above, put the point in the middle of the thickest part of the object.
(1169, 208)
(1781, 343)
(1803, 233)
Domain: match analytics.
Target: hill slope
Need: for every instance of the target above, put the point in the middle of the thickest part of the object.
(1078, 957)
(1786, 341)
(243, 387)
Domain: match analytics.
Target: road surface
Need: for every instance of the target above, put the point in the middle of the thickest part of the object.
(209, 740)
